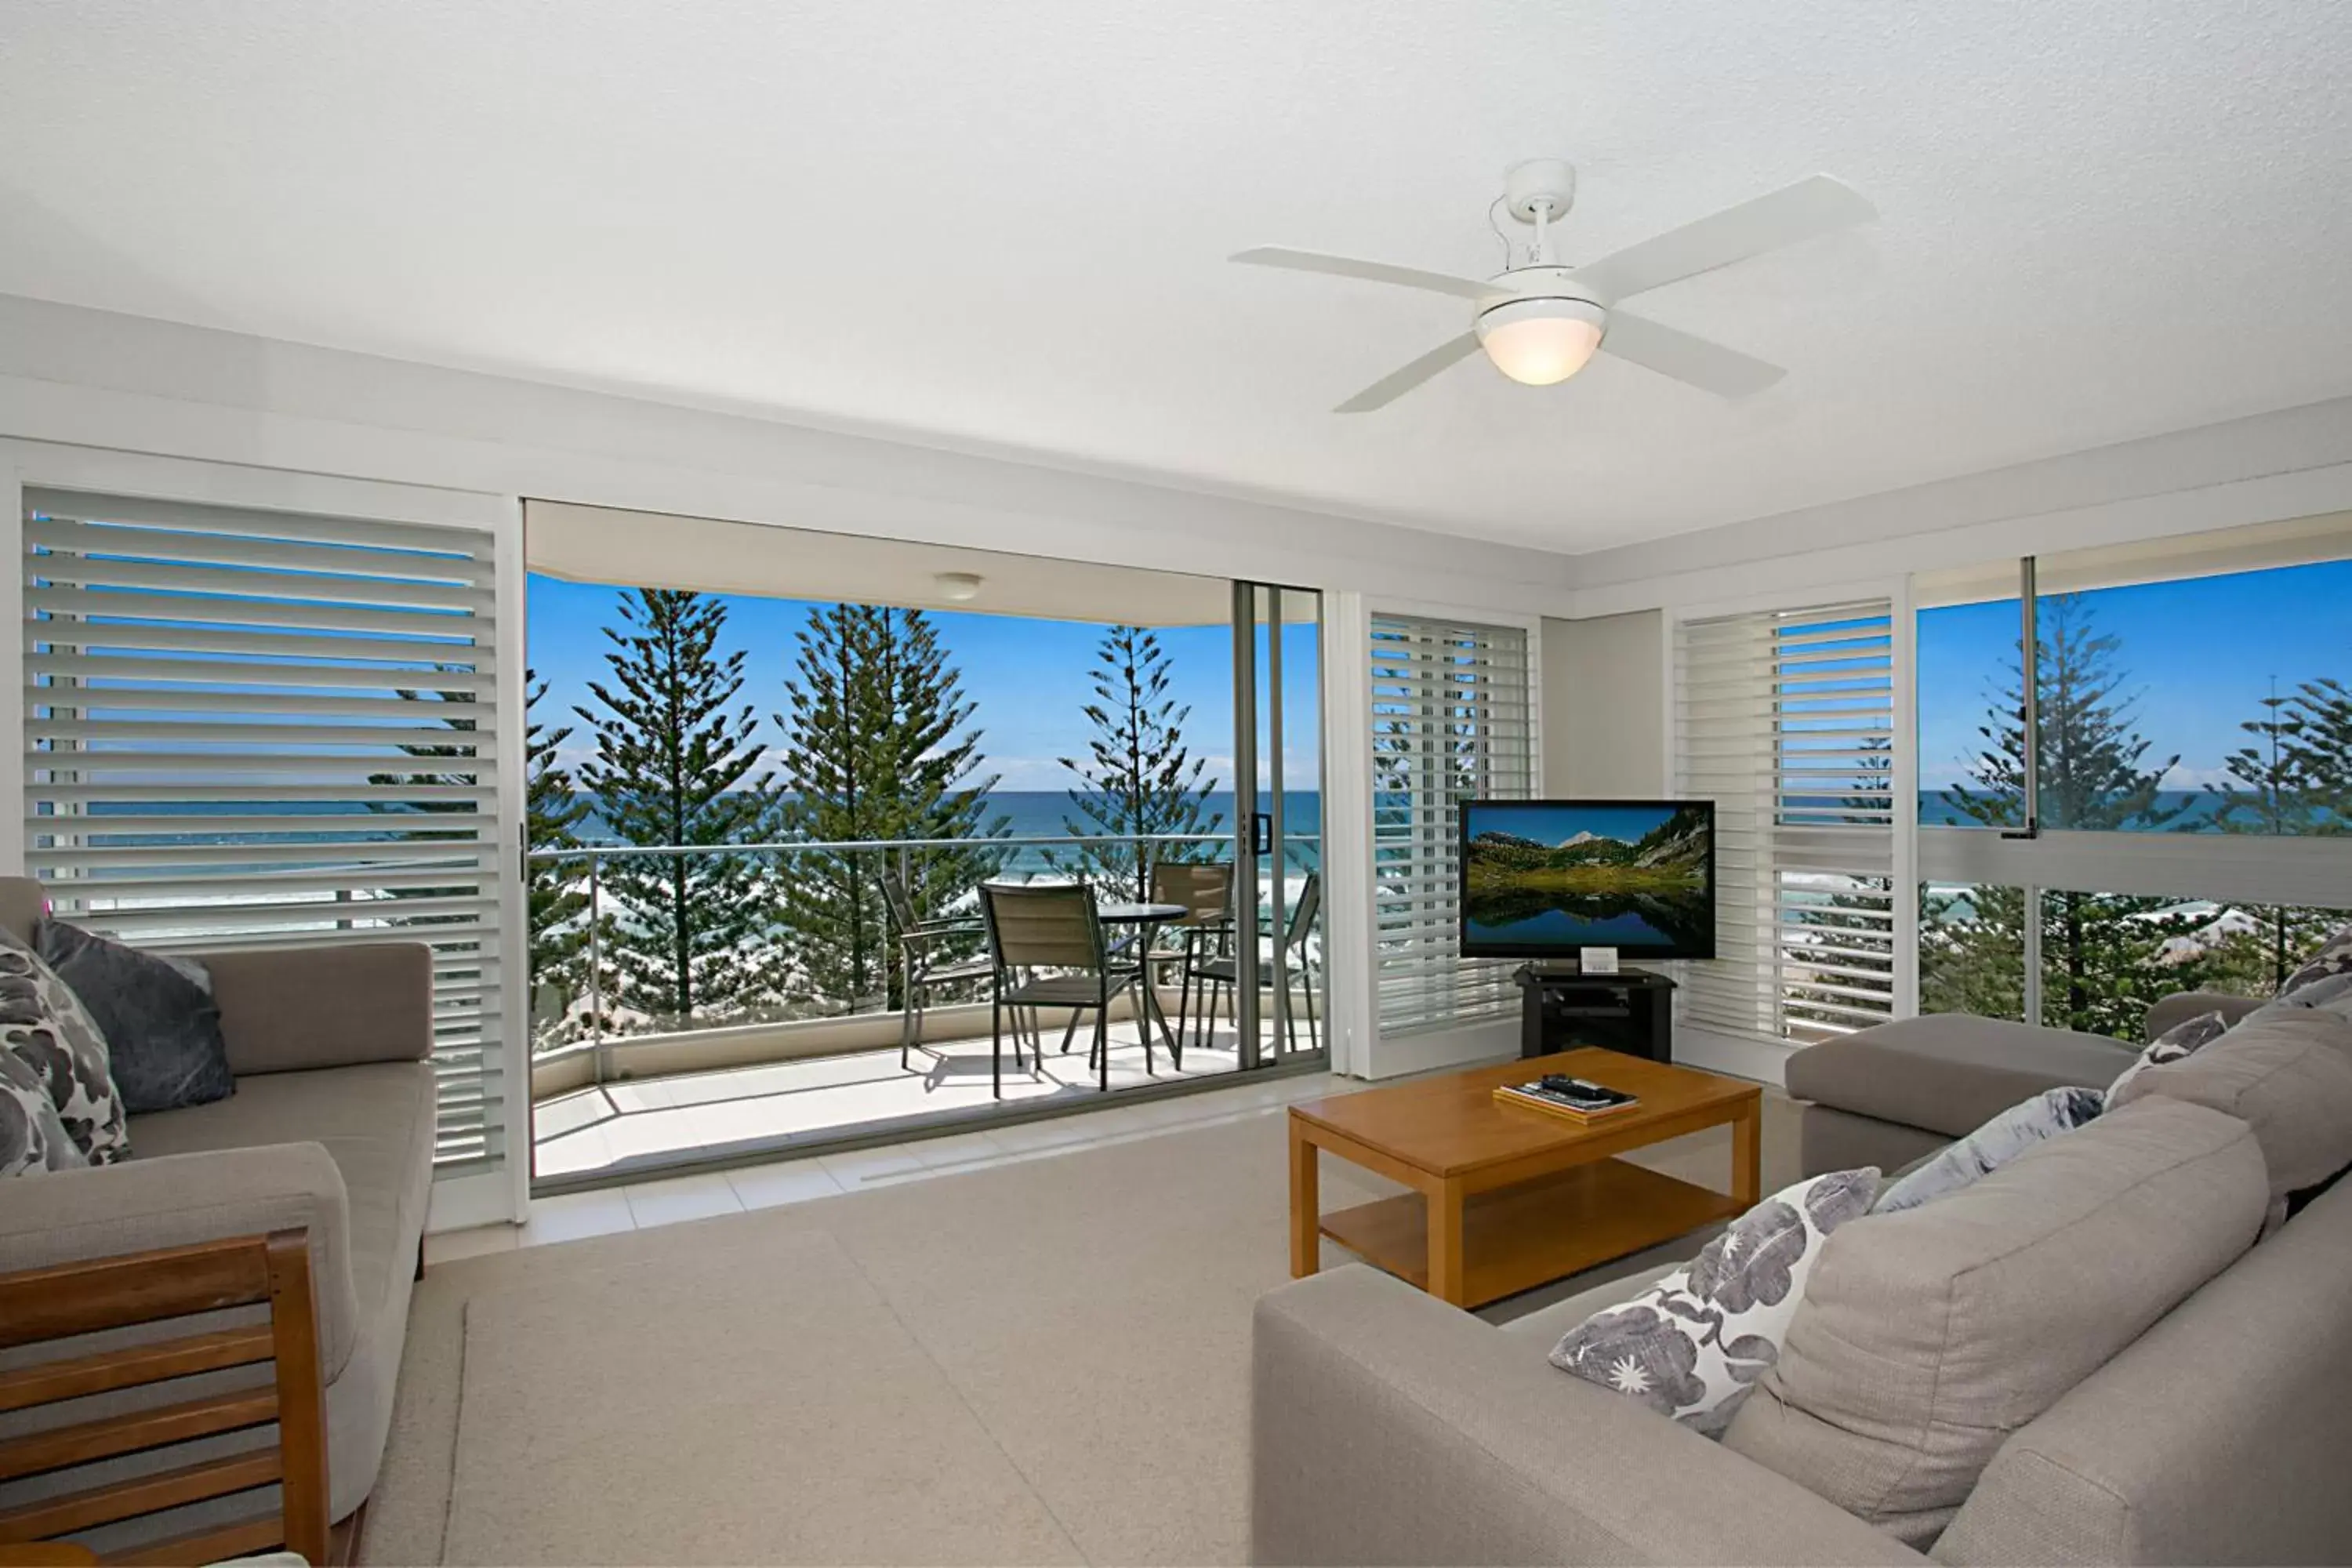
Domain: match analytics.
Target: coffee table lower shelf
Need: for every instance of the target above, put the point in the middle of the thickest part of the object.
(1516, 1239)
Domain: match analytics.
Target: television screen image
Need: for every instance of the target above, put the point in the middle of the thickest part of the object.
(1548, 878)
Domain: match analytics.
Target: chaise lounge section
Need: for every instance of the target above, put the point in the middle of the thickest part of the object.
(1888, 1095)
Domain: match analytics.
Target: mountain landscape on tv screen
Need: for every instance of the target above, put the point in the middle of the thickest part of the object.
(1592, 887)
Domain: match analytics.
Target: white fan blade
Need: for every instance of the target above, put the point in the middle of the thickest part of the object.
(1809, 207)
(1372, 271)
(1711, 368)
(1397, 383)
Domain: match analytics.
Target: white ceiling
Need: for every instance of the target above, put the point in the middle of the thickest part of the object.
(1004, 225)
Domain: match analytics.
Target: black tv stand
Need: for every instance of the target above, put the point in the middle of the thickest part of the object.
(1631, 1011)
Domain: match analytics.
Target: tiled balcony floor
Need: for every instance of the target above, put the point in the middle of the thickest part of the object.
(643, 1123)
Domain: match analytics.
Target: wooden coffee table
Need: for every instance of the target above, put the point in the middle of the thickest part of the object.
(1507, 1199)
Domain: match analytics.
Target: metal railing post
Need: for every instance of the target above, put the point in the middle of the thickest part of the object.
(596, 963)
(906, 859)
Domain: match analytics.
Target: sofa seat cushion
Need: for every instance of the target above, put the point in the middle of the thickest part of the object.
(1927, 1336)
(374, 1120)
(1950, 1072)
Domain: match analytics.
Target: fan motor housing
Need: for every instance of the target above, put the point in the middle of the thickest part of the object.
(1541, 283)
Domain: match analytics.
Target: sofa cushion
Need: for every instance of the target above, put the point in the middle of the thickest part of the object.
(370, 1120)
(2285, 1071)
(2218, 1436)
(1927, 1337)
(1950, 1072)
(162, 1031)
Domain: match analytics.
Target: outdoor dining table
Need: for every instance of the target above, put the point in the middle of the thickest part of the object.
(1146, 919)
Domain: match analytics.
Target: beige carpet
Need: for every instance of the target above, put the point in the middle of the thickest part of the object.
(1041, 1362)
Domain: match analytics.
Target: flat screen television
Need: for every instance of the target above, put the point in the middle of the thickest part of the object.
(1547, 878)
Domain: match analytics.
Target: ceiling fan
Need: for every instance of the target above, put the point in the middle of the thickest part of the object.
(1541, 320)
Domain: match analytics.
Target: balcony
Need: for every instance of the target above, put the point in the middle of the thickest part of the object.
(618, 1089)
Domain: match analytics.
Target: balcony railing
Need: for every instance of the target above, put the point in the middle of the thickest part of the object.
(589, 1012)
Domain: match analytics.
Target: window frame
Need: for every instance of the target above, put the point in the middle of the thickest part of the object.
(2296, 871)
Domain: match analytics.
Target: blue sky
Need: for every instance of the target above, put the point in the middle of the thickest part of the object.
(2199, 656)
(1558, 823)
(1029, 679)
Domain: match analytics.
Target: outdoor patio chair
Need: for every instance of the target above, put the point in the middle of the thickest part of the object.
(1051, 927)
(1206, 891)
(1219, 975)
(923, 963)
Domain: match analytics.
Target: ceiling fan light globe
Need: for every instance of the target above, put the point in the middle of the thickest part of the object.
(1539, 342)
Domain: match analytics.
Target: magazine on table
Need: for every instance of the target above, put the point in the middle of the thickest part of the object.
(1578, 1098)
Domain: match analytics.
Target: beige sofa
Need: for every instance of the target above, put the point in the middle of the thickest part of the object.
(1390, 1428)
(331, 1128)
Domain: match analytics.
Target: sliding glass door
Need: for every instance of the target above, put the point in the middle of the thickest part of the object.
(1278, 1008)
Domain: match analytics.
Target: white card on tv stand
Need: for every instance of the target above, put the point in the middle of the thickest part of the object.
(1599, 960)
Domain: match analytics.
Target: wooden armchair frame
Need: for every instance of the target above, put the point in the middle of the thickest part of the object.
(71, 1299)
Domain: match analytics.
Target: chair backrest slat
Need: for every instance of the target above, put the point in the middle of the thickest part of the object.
(1302, 916)
(1047, 926)
(1206, 891)
(900, 902)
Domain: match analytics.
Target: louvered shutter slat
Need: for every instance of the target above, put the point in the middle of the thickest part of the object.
(1452, 719)
(1785, 718)
(254, 730)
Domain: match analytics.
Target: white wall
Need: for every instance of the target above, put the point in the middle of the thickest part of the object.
(2295, 463)
(95, 379)
(1604, 714)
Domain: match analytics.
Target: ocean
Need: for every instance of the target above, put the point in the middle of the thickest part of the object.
(1050, 814)
(1028, 814)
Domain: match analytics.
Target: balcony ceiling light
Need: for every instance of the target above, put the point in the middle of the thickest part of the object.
(958, 587)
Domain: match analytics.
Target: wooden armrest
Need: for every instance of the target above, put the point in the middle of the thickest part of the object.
(66, 1301)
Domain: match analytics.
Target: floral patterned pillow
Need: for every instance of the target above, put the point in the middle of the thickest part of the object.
(1998, 1142)
(2333, 957)
(32, 1139)
(1694, 1342)
(2183, 1039)
(44, 1026)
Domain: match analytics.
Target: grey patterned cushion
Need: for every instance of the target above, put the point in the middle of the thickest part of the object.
(32, 1139)
(44, 1026)
(2334, 958)
(1993, 1145)
(162, 1031)
(1693, 1343)
(2183, 1039)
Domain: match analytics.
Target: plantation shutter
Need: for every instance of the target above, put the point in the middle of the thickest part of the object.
(1785, 720)
(1451, 721)
(257, 728)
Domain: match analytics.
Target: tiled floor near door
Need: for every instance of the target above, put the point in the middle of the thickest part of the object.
(642, 1206)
